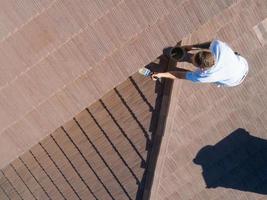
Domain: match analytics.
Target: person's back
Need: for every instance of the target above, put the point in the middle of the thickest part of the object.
(229, 69)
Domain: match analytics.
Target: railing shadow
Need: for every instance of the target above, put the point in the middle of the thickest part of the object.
(103, 160)
(159, 65)
(145, 132)
(239, 161)
(113, 145)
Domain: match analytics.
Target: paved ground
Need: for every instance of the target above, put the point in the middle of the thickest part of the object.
(53, 57)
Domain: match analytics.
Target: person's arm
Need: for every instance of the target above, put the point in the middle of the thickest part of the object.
(204, 45)
(170, 75)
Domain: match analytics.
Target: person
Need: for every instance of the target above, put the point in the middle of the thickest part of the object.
(215, 63)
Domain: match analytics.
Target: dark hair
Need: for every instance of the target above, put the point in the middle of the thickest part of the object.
(204, 59)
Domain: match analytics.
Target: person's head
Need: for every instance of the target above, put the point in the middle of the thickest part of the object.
(203, 60)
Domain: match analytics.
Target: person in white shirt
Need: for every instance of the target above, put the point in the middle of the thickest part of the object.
(216, 63)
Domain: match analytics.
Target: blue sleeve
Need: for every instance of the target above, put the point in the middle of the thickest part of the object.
(191, 76)
(199, 77)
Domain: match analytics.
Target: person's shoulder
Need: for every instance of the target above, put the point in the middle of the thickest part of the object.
(216, 43)
(217, 47)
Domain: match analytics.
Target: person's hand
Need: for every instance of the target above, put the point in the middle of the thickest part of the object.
(187, 47)
(155, 76)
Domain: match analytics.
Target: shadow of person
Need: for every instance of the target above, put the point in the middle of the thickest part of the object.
(239, 161)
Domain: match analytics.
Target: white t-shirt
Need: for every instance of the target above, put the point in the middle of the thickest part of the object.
(229, 69)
